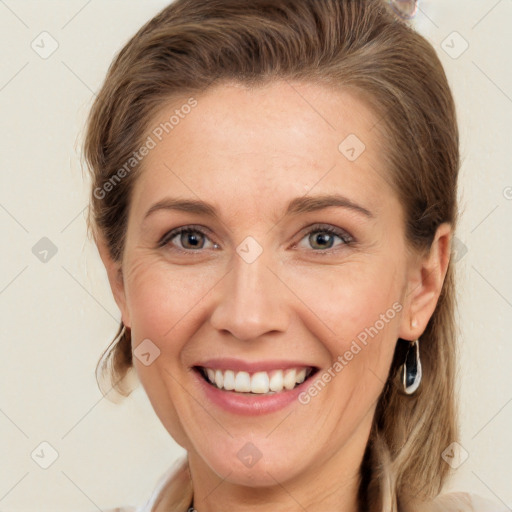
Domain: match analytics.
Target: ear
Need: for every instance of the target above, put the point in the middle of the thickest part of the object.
(425, 281)
(115, 277)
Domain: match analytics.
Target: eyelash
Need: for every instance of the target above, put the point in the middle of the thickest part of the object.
(317, 228)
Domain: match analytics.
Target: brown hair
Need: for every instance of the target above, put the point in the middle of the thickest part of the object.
(358, 44)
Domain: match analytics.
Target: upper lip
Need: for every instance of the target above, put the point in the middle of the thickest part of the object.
(252, 366)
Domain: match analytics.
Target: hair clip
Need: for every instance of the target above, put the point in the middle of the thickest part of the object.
(405, 9)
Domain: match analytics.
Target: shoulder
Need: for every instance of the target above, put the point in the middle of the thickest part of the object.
(466, 502)
(141, 508)
(162, 481)
(121, 509)
(484, 505)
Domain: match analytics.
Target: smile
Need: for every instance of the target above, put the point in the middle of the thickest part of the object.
(260, 382)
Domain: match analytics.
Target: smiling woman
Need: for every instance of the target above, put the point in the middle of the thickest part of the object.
(281, 256)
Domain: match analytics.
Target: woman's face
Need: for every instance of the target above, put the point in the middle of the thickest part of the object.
(261, 285)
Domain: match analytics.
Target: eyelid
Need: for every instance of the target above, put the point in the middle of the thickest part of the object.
(341, 233)
(329, 228)
(169, 235)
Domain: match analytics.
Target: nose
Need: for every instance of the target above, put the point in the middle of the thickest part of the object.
(250, 301)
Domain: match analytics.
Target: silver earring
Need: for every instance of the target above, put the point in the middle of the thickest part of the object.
(411, 369)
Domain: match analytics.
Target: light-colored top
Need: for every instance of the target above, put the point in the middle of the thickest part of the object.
(448, 502)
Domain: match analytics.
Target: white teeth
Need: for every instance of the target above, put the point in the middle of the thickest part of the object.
(259, 382)
(289, 379)
(229, 380)
(219, 378)
(301, 376)
(242, 382)
(276, 381)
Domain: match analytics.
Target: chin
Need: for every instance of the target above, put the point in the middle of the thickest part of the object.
(250, 463)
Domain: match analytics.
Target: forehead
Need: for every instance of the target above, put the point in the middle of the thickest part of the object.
(277, 140)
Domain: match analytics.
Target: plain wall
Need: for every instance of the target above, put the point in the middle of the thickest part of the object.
(59, 315)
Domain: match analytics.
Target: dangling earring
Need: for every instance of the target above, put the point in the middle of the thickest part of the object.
(411, 369)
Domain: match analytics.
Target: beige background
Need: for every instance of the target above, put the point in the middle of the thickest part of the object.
(58, 316)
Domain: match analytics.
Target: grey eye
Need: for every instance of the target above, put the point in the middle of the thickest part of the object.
(320, 239)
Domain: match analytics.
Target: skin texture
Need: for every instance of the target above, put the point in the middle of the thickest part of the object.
(249, 152)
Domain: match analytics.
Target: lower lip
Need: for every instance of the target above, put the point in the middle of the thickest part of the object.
(249, 404)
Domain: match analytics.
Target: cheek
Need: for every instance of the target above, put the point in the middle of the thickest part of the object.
(164, 307)
(345, 299)
(163, 301)
(356, 317)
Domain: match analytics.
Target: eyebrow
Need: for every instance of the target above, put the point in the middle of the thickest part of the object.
(295, 207)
